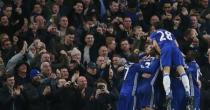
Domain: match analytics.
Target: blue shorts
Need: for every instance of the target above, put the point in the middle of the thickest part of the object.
(144, 94)
(171, 55)
(196, 98)
(179, 96)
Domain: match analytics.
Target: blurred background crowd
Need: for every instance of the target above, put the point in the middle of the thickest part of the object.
(71, 54)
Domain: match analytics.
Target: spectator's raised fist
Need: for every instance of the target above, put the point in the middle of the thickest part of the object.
(47, 90)
(63, 52)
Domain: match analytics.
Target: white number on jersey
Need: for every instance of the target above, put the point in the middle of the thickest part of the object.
(146, 65)
(166, 35)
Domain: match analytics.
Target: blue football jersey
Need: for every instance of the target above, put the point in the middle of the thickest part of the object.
(130, 79)
(163, 38)
(150, 65)
(193, 71)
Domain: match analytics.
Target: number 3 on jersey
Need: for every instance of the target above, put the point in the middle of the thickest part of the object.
(165, 35)
(146, 65)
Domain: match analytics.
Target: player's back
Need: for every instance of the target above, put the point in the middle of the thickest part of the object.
(193, 71)
(145, 90)
(163, 38)
(130, 78)
(150, 65)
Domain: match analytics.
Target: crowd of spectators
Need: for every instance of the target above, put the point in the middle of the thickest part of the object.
(71, 54)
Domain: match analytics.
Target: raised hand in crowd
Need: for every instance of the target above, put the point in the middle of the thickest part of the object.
(58, 73)
(106, 63)
(184, 11)
(53, 76)
(208, 16)
(18, 4)
(24, 48)
(47, 90)
(61, 83)
(75, 76)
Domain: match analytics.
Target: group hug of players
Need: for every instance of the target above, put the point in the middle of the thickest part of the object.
(163, 79)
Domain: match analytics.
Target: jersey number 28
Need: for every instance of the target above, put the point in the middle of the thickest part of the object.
(165, 35)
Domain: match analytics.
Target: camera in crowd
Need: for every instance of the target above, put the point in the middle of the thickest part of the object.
(102, 87)
(71, 84)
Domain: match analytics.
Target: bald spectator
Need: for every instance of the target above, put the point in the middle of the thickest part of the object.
(82, 82)
(86, 92)
(46, 69)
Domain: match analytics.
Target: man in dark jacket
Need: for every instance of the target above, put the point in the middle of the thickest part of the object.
(10, 96)
(20, 73)
(91, 74)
